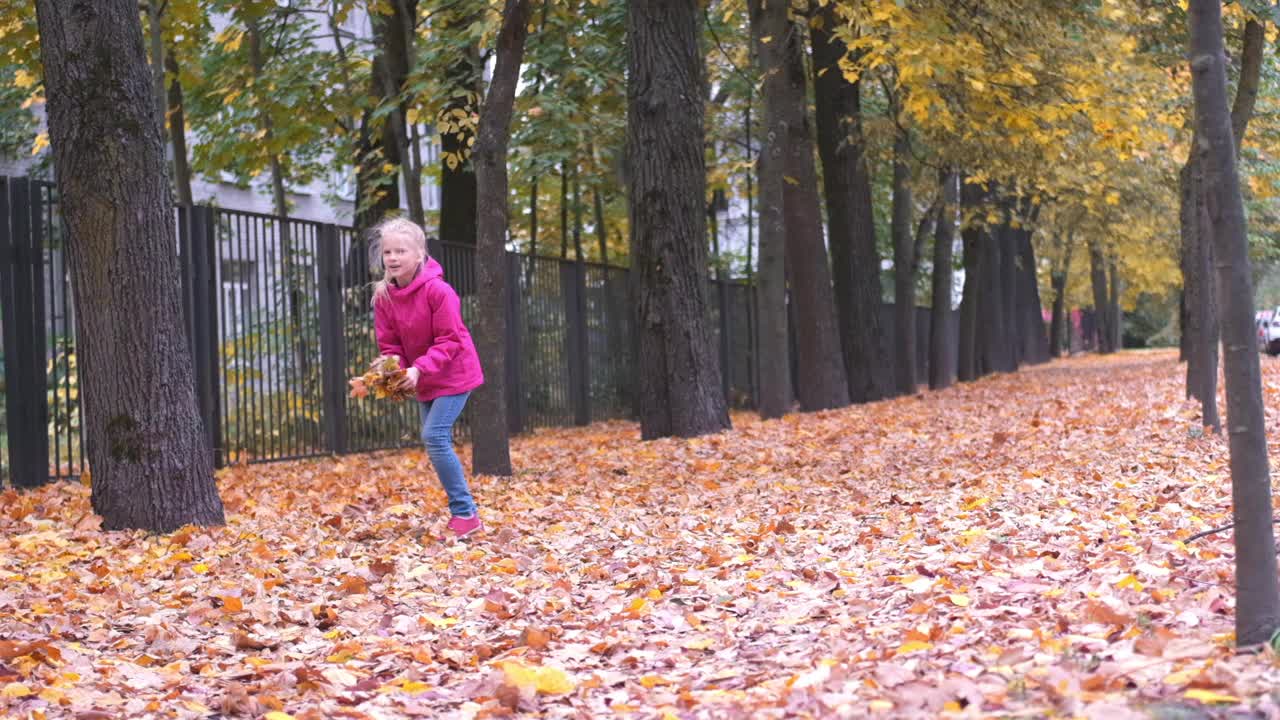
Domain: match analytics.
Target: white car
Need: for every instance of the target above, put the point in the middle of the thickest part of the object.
(1268, 323)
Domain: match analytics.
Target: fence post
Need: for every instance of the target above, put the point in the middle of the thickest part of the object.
(515, 349)
(333, 354)
(22, 294)
(9, 325)
(203, 246)
(572, 288)
(722, 296)
(753, 343)
(185, 281)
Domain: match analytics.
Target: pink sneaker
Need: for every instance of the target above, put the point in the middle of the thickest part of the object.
(463, 527)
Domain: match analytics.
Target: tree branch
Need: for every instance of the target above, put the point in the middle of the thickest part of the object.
(1214, 531)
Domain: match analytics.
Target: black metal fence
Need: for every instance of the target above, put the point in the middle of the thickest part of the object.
(279, 316)
(278, 312)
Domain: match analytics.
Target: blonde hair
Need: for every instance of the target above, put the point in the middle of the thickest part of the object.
(392, 226)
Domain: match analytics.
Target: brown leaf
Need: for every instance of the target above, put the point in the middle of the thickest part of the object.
(237, 701)
(1100, 612)
(242, 641)
(1153, 643)
(534, 638)
(353, 585)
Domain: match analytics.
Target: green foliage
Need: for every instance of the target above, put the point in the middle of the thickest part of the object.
(285, 105)
(17, 123)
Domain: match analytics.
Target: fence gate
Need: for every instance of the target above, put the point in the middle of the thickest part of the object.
(24, 440)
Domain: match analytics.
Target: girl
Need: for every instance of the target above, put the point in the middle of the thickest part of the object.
(417, 319)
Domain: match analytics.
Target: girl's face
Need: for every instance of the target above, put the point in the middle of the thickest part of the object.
(401, 257)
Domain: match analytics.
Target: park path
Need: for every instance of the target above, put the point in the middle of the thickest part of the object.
(1002, 547)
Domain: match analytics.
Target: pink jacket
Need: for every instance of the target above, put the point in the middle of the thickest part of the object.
(421, 323)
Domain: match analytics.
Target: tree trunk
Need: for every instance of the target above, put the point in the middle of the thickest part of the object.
(1200, 316)
(1035, 341)
(152, 466)
(855, 259)
(751, 193)
(971, 198)
(161, 98)
(564, 211)
(1101, 300)
(533, 217)
(1192, 305)
(941, 371)
(1011, 349)
(491, 454)
(458, 181)
(393, 35)
(1183, 352)
(991, 325)
(1113, 305)
(1257, 592)
(178, 134)
(904, 277)
(373, 200)
(822, 383)
(602, 233)
(1207, 339)
(577, 217)
(772, 336)
(679, 373)
(1058, 326)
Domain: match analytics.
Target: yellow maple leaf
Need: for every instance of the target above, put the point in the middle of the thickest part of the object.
(912, 646)
(544, 680)
(1209, 696)
(15, 690)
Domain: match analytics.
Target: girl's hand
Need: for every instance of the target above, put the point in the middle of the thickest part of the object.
(410, 381)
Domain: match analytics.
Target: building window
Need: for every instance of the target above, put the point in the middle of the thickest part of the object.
(239, 282)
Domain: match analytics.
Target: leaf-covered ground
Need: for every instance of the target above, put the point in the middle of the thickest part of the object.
(1010, 547)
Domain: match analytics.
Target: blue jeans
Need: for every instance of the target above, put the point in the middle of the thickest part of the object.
(438, 417)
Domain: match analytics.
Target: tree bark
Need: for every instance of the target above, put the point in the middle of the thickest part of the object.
(1058, 325)
(578, 254)
(991, 312)
(152, 466)
(679, 372)
(855, 259)
(1257, 592)
(1200, 317)
(602, 232)
(393, 35)
(178, 134)
(822, 383)
(1101, 299)
(376, 195)
(971, 199)
(1035, 340)
(1011, 348)
(533, 216)
(458, 182)
(491, 454)
(773, 336)
(941, 371)
(904, 277)
(154, 16)
(564, 210)
(1113, 304)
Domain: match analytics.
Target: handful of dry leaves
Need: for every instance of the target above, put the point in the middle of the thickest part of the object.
(384, 379)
